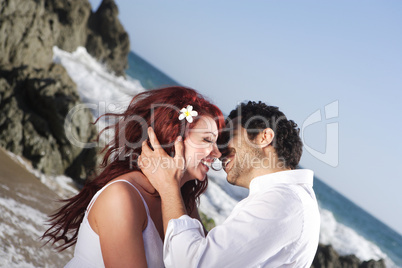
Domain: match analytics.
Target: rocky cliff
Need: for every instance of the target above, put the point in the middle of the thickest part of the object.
(327, 257)
(30, 28)
(36, 95)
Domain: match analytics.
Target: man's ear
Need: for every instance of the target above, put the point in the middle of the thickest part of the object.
(266, 137)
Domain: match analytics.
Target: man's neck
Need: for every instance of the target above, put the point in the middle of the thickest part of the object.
(264, 171)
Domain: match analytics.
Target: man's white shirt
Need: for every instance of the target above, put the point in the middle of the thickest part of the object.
(277, 225)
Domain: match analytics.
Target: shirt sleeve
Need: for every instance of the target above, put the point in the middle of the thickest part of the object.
(185, 235)
(246, 239)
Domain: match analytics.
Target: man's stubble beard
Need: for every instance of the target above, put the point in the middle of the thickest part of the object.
(242, 170)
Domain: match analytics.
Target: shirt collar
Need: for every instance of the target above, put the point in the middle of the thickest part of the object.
(296, 176)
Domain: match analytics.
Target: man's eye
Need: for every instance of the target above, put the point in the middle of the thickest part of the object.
(209, 141)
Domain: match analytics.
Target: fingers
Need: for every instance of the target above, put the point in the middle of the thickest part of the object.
(140, 162)
(179, 147)
(153, 139)
(179, 155)
(146, 150)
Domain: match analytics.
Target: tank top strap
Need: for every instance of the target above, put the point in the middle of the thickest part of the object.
(104, 187)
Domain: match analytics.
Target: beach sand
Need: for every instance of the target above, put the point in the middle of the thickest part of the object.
(24, 204)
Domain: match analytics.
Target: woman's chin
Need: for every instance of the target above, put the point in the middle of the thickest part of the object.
(199, 176)
(199, 173)
(202, 178)
(202, 173)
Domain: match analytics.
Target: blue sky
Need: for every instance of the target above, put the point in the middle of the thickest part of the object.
(301, 56)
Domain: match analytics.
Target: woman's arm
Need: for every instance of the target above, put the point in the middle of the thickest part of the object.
(119, 217)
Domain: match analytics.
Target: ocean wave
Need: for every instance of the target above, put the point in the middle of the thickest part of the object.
(99, 89)
(347, 241)
(95, 84)
(22, 225)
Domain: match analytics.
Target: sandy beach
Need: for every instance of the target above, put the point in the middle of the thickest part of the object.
(24, 204)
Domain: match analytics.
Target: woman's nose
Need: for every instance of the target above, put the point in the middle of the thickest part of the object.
(215, 151)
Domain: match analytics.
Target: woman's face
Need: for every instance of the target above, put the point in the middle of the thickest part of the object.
(200, 149)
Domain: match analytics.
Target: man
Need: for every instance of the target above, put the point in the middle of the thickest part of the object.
(277, 225)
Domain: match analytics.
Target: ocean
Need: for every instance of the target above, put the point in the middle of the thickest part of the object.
(344, 225)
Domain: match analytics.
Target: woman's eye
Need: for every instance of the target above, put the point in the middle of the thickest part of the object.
(209, 141)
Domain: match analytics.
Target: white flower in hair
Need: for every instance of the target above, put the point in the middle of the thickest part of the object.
(187, 113)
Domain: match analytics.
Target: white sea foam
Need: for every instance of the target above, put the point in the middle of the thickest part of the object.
(100, 90)
(20, 229)
(347, 241)
(94, 83)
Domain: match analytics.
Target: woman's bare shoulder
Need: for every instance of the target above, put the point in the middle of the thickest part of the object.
(119, 200)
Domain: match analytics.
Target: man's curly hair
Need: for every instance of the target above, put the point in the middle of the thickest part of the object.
(256, 117)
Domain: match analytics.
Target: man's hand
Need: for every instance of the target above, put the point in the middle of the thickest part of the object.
(162, 170)
(164, 173)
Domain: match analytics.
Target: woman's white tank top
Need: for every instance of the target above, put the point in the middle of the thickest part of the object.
(88, 251)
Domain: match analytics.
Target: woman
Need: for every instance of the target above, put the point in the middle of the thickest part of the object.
(116, 219)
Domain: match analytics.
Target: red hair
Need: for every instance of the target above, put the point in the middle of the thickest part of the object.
(158, 108)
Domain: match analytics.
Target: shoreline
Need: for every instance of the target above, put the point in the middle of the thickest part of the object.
(25, 204)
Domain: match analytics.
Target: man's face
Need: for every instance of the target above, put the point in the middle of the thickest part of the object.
(240, 154)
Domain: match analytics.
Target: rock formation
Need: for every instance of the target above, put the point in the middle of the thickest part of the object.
(327, 257)
(30, 28)
(107, 40)
(34, 104)
(36, 95)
